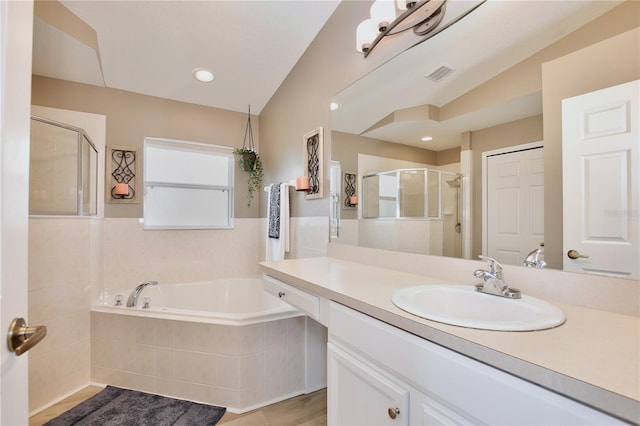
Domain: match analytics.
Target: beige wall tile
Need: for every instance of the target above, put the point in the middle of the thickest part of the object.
(165, 367)
(195, 367)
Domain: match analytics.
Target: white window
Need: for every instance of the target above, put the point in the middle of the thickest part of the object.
(187, 185)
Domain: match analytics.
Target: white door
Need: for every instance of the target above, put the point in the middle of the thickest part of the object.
(514, 204)
(16, 20)
(601, 175)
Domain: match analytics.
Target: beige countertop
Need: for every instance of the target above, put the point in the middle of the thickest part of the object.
(594, 357)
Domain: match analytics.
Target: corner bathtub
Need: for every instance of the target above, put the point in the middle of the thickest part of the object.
(223, 342)
(233, 301)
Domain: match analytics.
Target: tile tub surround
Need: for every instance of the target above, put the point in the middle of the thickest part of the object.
(132, 255)
(593, 358)
(64, 265)
(239, 367)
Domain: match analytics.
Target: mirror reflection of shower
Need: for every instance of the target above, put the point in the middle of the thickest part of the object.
(416, 210)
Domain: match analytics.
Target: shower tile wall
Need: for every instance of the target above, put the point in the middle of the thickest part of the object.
(236, 367)
(64, 261)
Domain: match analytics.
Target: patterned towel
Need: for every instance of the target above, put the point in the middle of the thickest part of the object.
(274, 211)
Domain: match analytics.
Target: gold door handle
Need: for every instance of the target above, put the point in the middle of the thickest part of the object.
(575, 254)
(22, 338)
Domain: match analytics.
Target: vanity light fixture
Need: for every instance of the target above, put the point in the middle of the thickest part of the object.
(203, 75)
(334, 106)
(426, 138)
(389, 17)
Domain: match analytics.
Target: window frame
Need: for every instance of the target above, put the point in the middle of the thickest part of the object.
(192, 147)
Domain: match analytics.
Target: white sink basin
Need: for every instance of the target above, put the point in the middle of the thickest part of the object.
(464, 306)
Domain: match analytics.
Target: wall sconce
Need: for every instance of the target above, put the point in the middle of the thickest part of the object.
(122, 170)
(353, 201)
(389, 17)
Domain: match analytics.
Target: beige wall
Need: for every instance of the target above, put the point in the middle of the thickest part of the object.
(301, 103)
(131, 117)
(505, 135)
(608, 63)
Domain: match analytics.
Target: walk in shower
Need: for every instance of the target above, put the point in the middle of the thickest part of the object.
(63, 176)
(416, 210)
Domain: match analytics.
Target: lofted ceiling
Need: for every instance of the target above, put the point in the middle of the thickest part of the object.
(152, 47)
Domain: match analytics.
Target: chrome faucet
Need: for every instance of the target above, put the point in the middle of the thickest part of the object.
(132, 301)
(494, 280)
(533, 259)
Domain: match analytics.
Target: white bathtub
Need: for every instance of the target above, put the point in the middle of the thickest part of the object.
(221, 342)
(233, 301)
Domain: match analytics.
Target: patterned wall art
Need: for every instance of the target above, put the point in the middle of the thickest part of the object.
(349, 190)
(122, 174)
(313, 162)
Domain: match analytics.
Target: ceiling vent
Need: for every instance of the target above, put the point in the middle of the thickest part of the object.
(439, 74)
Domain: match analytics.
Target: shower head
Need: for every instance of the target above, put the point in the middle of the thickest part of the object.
(454, 183)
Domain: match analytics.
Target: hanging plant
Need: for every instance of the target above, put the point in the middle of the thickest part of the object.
(249, 161)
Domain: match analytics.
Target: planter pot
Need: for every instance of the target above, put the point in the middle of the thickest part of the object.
(248, 161)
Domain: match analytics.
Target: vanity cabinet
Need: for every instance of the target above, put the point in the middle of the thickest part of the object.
(379, 374)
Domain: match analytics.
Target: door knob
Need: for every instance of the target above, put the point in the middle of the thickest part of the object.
(575, 254)
(21, 338)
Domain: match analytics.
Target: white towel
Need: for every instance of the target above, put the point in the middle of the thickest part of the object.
(276, 247)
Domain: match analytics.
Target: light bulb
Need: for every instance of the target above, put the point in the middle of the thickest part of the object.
(383, 12)
(366, 32)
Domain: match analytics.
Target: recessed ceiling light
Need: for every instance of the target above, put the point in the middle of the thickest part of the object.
(334, 106)
(203, 75)
(426, 139)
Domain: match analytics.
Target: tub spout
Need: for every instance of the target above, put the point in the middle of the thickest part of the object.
(132, 301)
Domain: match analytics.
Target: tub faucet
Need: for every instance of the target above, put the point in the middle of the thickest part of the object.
(494, 280)
(133, 297)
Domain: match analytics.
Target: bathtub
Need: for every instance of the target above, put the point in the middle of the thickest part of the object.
(233, 301)
(224, 342)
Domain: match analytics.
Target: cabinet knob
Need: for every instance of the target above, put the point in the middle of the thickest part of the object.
(393, 413)
(281, 294)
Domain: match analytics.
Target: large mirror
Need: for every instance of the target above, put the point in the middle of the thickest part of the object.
(488, 96)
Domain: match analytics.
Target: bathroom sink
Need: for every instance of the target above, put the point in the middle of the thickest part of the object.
(464, 306)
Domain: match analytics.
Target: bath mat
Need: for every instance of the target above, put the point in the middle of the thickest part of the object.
(122, 407)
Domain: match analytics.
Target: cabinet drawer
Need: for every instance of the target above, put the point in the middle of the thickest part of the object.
(305, 302)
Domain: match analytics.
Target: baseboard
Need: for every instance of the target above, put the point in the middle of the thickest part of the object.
(66, 395)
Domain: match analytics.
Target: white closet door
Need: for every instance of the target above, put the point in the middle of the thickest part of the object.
(515, 204)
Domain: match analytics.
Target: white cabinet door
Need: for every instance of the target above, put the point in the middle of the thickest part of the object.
(427, 412)
(359, 395)
(601, 175)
